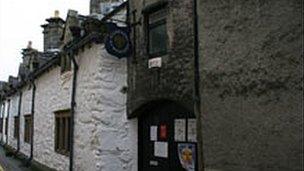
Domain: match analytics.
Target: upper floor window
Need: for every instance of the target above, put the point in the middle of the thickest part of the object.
(65, 63)
(157, 33)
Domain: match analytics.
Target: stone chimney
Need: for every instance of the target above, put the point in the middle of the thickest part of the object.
(95, 5)
(29, 57)
(52, 32)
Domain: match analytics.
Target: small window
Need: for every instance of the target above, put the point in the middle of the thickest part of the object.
(16, 126)
(62, 132)
(1, 125)
(157, 34)
(6, 125)
(28, 128)
(65, 63)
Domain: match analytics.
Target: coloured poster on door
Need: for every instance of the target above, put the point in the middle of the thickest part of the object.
(187, 155)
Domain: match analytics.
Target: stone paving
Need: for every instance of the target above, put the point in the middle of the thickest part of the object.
(10, 163)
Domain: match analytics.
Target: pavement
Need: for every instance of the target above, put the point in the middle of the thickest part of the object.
(10, 163)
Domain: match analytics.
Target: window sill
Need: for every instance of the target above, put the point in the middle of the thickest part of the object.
(62, 152)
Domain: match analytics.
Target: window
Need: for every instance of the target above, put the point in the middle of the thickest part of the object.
(65, 63)
(1, 125)
(16, 126)
(157, 33)
(28, 128)
(6, 125)
(62, 132)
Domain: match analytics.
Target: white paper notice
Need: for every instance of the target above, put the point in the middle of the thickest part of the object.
(192, 130)
(153, 133)
(180, 129)
(161, 149)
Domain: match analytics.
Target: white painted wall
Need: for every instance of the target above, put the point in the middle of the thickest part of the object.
(25, 110)
(13, 112)
(104, 138)
(5, 111)
(53, 92)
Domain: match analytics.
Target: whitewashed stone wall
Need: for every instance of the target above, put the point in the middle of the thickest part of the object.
(104, 138)
(5, 107)
(13, 112)
(2, 116)
(26, 104)
(53, 91)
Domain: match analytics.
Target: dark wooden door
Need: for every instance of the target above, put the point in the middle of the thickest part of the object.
(161, 119)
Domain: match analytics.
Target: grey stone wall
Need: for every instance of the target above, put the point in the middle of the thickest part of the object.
(52, 32)
(251, 84)
(174, 80)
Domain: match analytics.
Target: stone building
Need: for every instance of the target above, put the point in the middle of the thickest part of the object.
(210, 85)
(67, 109)
(236, 66)
(251, 84)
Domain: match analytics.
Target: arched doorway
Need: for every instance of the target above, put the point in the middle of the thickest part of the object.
(167, 138)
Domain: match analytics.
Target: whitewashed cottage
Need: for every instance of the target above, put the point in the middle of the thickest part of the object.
(66, 110)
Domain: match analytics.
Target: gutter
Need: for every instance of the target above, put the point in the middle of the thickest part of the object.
(19, 113)
(197, 97)
(32, 125)
(73, 104)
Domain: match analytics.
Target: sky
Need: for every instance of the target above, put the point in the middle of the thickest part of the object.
(20, 22)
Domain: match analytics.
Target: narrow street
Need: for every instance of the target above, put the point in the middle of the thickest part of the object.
(10, 163)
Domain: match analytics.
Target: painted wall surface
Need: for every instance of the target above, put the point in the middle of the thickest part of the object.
(251, 84)
(53, 91)
(13, 112)
(5, 112)
(26, 107)
(104, 138)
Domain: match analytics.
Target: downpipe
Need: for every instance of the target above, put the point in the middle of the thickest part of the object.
(19, 113)
(7, 121)
(197, 97)
(28, 163)
(73, 104)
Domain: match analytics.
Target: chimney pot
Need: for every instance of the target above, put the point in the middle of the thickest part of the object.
(56, 14)
(29, 45)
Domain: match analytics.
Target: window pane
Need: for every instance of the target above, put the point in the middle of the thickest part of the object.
(158, 39)
(69, 133)
(57, 134)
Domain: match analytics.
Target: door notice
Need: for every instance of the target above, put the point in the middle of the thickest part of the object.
(153, 133)
(192, 130)
(180, 129)
(161, 149)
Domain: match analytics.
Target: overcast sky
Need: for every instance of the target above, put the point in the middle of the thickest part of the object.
(20, 22)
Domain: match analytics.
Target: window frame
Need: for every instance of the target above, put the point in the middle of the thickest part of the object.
(6, 126)
(16, 126)
(62, 130)
(28, 121)
(1, 125)
(158, 21)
